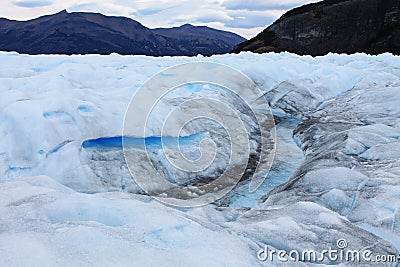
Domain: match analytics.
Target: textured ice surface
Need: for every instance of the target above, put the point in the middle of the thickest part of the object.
(346, 186)
(288, 157)
(46, 224)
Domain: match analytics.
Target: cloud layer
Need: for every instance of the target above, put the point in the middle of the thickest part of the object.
(255, 5)
(245, 17)
(32, 4)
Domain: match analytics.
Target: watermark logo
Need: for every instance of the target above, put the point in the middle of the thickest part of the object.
(341, 244)
(339, 254)
(176, 106)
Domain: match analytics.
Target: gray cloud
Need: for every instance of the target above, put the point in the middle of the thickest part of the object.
(179, 21)
(33, 3)
(96, 8)
(256, 5)
(82, 7)
(249, 21)
(212, 18)
(147, 11)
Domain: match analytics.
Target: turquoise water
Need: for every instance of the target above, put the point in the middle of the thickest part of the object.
(155, 142)
(288, 157)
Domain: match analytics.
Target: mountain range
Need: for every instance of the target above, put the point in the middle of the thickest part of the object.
(94, 33)
(338, 26)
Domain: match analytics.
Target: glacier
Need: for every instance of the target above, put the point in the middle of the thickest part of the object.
(67, 197)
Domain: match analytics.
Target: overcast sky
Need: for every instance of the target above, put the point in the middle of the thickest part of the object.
(245, 17)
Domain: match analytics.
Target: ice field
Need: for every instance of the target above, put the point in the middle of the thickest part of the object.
(68, 199)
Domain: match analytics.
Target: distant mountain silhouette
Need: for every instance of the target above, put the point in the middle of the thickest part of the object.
(340, 26)
(93, 33)
(201, 39)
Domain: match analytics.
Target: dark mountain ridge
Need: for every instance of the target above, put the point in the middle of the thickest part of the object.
(338, 26)
(94, 33)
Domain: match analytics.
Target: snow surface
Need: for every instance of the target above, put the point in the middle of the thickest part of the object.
(344, 183)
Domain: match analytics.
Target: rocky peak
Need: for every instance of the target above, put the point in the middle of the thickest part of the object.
(339, 26)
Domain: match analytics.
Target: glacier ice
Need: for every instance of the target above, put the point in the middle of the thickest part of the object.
(336, 173)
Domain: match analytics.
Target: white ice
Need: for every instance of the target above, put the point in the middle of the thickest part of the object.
(343, 183)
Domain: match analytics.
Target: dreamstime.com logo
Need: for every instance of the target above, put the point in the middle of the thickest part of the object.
(341, 253)
(219, 101)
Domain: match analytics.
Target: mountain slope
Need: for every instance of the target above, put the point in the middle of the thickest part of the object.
(92, 33)
(340, 26)
(200, 38)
